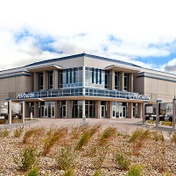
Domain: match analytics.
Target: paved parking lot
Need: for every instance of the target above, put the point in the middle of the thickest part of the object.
(124, 124)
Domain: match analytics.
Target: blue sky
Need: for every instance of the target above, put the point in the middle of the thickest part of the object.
(142, 32)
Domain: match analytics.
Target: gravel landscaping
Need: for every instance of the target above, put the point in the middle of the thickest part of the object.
(92, 150)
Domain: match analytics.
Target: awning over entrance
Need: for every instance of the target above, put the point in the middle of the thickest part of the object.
(123, 68)
(44, 68)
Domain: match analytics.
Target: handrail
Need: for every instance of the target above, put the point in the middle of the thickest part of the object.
(79, 92)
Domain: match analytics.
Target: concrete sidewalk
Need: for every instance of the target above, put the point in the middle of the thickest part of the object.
(122, 124)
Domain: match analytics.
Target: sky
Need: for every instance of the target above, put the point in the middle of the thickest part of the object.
(142, 32)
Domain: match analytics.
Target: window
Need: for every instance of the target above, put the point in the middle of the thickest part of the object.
(50, 79)
(71, 77)
(94, 77)
(40, 80)
(117, 80)
(107, 79)
(126, 82)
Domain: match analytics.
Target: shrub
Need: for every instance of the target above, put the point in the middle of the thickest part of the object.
(107, 134)
(99, 158)
(53, 135)
(2, 121)
(66, 159)
(122, 161)
(18, 132)
(4, 133)
(135, 170)
(97, 173)
(33, 134)
(158, 136)
(27, 159)
(83, 141)
(167, 123)
(69, 172)
(139, 134)
(33, 172)
(173, 137)
(167, 174)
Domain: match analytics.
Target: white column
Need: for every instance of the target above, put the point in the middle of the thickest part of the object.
(174, 113)
(55, 74)
(131, 82)
(130, 110)
(97, 109)
(23, 111)
(112, 80)
(57, 110)
(10, 112)
(35, 81)
(157, 113)
(110, 110)
(36, 110)
(83, 109)
(69, 109)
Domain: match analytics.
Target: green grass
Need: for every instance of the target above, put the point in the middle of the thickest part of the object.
(135, 170)
(65, 159)
(122, 161)
(27, 159)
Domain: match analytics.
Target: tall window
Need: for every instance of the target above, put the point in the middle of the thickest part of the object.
(107, 79)
(117, 80)
(94, 77)
(50, 79)
(40, 80)
(70, 77)
(126, 81)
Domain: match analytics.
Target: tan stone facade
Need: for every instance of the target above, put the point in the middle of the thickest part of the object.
(85, 85)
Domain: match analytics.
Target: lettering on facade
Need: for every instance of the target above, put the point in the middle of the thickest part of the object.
(25, 95)
(141, 96)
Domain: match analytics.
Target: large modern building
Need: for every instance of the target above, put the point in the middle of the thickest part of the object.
(85, 85)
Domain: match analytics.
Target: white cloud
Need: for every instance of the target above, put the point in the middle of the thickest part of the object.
(169, 66)
(144, 28)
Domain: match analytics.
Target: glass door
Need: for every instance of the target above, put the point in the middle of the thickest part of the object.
(122, 111)
(103, 111)
(64, 111)
(52, 111)
(114, 112)
(44, 111)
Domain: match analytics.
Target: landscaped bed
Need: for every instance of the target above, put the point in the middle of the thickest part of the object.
(86, 150)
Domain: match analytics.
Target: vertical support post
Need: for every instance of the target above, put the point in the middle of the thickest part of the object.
(83, 113)
(130, 110)
(55, 73)
(10, 112)
(141, 110)
(110, 110)
(69, 109)
(57, 110)
(35, 81)
(112, 80)
(131, 82)
(97, 109)
(23, 111)
(174, 113)
(142, 106)
(36, 110)
(157, 112)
